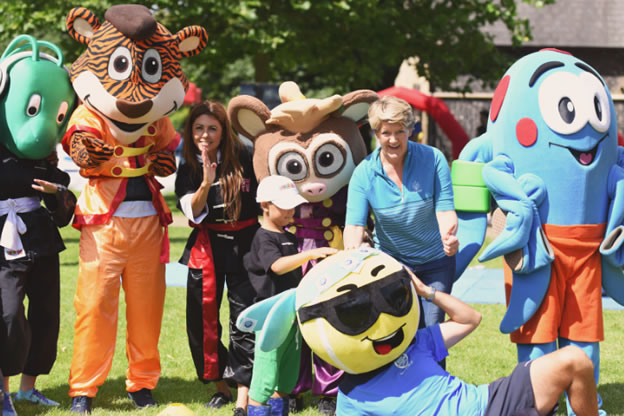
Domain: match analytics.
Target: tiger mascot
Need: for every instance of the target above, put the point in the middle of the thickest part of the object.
(129, 80)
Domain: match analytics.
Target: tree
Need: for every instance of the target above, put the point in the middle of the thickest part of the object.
(338, 45)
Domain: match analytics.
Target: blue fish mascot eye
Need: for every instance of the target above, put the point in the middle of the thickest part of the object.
(550, 159)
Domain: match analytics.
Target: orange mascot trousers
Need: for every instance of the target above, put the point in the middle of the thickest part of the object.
(130, 248)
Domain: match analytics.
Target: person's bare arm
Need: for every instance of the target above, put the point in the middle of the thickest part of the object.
(447, 223)
(353, 236)
(209, 171)
(463, 319)
(286, 264)
(199, 198)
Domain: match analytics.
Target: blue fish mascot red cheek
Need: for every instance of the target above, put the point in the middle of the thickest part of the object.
(36, 98)
(549, 157)
(128, 80)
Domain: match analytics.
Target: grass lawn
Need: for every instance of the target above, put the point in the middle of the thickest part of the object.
(485, 355)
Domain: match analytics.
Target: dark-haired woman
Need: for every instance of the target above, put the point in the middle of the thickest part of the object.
(216, 190)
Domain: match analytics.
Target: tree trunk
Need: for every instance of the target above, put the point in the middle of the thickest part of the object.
(261, 68)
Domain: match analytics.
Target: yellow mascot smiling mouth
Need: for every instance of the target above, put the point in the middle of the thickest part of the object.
(383, 346)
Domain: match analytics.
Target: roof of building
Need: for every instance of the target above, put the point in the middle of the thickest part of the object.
(570, 23)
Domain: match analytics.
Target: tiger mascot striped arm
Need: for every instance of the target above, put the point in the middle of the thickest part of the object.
(87, 151)
(162, 163)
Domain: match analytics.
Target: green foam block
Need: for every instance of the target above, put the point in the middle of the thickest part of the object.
(471, 198)
(467, 173)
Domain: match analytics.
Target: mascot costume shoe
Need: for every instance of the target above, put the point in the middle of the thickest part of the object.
(129, 80)
(36, 99)
(550, 159)
(317, 144)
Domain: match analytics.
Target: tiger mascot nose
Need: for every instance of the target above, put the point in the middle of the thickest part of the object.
(134, 110)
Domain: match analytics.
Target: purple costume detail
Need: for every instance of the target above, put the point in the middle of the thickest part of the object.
(311, 227)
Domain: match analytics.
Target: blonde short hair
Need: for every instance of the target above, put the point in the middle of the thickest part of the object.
(391, 109)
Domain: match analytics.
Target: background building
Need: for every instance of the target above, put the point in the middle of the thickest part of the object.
(591, 30)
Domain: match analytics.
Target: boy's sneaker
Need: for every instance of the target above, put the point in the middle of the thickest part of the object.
(34, 396)
(295, 403)
(239, 411)
(327, 406)
(142, 398)
(7, 406)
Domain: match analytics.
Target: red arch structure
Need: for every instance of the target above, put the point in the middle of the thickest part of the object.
(436, 108)
(193, 95)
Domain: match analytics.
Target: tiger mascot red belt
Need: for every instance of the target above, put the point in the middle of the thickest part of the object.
(129, 80)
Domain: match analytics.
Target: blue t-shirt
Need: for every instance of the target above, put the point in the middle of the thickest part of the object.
(406, 226)
(414, 384)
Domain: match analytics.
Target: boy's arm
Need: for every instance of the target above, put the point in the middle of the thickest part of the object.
(286, 264)
(463, 319)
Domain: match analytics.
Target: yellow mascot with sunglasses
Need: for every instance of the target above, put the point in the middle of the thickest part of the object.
(359, 311)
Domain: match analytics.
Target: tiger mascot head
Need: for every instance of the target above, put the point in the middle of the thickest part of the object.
(130, 74)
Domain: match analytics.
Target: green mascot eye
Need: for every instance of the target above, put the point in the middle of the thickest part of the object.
(32, 109)
(62, 112)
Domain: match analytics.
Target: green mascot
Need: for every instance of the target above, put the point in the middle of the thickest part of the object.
(36, 99)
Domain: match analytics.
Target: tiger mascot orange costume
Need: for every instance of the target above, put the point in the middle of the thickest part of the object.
(129, 80)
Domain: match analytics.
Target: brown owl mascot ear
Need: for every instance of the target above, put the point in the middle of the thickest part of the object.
(248, 115)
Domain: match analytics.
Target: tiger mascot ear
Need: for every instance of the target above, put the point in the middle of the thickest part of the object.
(82, 24)
(191, 40)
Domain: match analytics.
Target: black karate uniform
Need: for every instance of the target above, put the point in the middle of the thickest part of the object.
(227, 248)
(29, 345)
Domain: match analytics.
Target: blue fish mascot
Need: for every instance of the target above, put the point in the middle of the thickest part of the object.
(550, 159)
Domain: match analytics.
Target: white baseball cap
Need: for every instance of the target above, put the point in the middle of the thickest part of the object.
(280, 191)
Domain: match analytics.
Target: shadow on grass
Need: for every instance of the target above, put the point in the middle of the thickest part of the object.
(612, 399)
(178, 239)
(112, 397)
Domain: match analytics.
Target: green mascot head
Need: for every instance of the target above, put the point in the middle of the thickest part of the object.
(36, 98)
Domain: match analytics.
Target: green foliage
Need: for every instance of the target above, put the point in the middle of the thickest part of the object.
(179, 118)
(342, 45)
